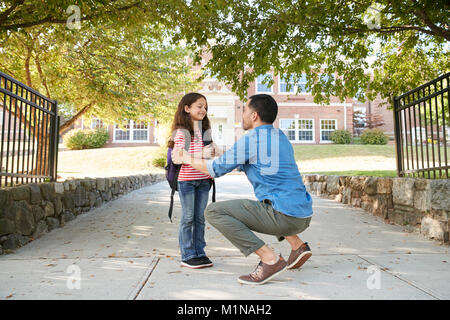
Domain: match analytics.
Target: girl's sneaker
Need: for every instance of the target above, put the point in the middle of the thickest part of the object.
(196, 263)
(206, 261)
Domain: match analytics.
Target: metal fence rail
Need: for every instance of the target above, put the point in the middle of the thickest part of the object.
(421, 120)
(28, 134)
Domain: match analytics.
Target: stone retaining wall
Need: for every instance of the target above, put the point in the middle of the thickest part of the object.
(29, 211)
(420, 205)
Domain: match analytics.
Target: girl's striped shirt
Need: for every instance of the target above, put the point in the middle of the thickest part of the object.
(187, 172)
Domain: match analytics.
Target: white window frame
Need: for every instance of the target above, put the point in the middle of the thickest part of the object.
(131, 134)
(271, 87)
(295, 87)
(320, 124)
(96, 119)
(155, 131)
(297, 130)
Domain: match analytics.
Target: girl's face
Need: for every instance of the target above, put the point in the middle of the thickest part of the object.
(197, 110)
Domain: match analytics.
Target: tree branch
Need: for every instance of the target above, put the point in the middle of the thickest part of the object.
(53, 20)
(426, 19)
(6, 13)
(66, 125)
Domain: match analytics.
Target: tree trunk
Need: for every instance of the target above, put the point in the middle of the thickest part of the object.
(64, 127)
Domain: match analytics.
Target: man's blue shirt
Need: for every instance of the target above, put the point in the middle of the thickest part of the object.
(267, 157)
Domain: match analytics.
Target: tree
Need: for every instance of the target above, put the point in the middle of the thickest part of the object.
(114, 71)
(321, 37)
(23, 14)
(114, 74)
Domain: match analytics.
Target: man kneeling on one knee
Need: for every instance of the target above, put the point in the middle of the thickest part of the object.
(284, 207)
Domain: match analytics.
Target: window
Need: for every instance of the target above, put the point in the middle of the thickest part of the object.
(288, 127)
(284, 82)
(293, 87)
(132, 132)
(122, 134)
(298, 130)
(96, 123)
(327, 126)
(260, 86)
(140, 131)
(306, 130)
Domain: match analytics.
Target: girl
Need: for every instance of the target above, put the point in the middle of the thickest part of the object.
(189, 126)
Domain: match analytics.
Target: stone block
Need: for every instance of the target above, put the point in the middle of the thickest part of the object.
(10, 242)
(68, 200)
(384, 185)
(24, 218)
(41, 229)
(422, 200)
(440, 194)
(52, 223)
(432, 228)
(101, 184)
(35, 193)
(370, 185)
(49, 209)
(357, 183)
(380, 205)
(38, 213)
(403, 191)
(59, 187)
(333, 184)
(47, 190)
(80, 196)
(65, 217)
(6, 226)
(21, 193)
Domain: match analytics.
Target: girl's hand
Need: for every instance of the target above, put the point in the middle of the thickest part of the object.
(179, 156)
(217, 151)
(208, 152)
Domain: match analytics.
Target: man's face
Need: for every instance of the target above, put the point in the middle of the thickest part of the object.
(248, 117)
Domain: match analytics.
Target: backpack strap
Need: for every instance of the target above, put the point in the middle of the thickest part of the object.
(172, 194)
(187, 145)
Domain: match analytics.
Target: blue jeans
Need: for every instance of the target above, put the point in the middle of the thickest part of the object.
(194, 198)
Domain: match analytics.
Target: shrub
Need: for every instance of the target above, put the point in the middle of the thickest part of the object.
(160, 158)
(341, 137)
(374, 136)
(78, 139)
(98, 138)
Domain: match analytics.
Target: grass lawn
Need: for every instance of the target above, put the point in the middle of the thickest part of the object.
(107, 162)
(315, 152)
(324, 159)
(386, 173)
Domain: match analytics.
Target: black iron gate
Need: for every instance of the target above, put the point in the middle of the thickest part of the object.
(29, 134)
(421, 120)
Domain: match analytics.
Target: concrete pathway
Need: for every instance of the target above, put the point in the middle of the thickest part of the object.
(128, 249)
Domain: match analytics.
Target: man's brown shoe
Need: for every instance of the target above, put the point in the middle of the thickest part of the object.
(264, 272)
(298, 257)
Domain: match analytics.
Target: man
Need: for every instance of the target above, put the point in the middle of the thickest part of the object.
(284, 207)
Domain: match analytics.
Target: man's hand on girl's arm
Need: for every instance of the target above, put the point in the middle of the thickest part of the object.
(181, 156)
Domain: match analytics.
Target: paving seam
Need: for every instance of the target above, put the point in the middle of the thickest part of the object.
(409, 282)
(146, 277)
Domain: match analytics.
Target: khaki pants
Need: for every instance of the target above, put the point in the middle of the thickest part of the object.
(236, 219)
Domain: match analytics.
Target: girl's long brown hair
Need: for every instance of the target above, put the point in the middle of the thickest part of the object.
(182, 119)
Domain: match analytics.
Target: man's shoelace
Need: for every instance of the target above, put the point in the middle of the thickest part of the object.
(258, 271)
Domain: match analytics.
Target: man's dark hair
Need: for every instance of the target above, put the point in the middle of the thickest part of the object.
(265, 106)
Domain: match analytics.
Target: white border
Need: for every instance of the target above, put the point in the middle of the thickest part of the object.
(131, 134)
(320, 130)
(297, 130)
